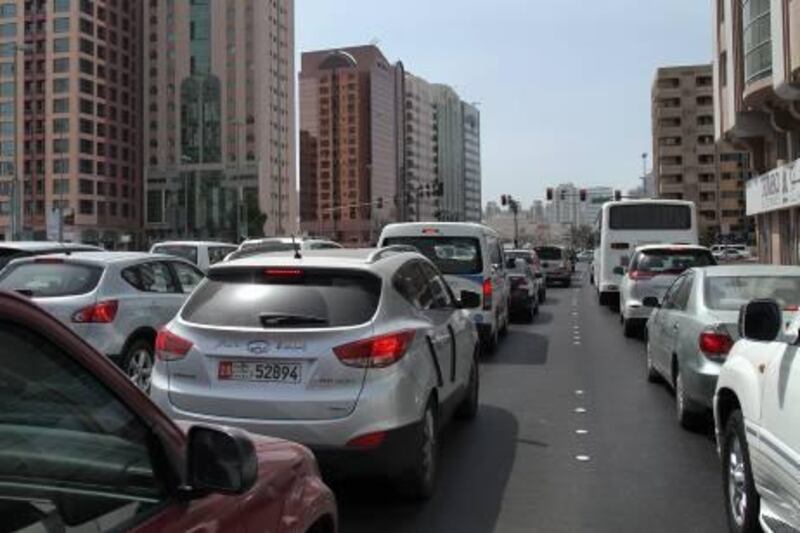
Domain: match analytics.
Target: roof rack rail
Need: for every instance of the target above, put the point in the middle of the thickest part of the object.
(379, 254)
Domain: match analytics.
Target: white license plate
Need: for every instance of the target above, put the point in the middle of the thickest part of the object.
(272, 371)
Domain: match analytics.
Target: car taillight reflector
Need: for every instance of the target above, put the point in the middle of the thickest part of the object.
(487, 294)
(283, 272)
(377, 352)
(792, 308)
(368, 441)
(99, 313)
(170, 347)
(715, 344)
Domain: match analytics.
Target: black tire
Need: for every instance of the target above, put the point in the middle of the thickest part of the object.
(138, 361)
(568, 284)
(420, 480)
(542, 295)
(629, 329)
(535, 305)
(742, 512)
(490, 342)
(468, 409)
(686, 412)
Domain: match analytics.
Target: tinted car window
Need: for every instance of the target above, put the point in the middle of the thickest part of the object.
(549, 253)
(188, 277)
(452, 255)
(219, 253)
(669, 261)
(51, 279)
(412, 284)
(671, 297)
(284, 298)
(178, 250)
(72, 454)
(150, 277)
(510, 256)
(7, 254)
(730, 293)
(681, 299)
(438, 288)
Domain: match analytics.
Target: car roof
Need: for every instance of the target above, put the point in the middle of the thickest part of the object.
(647, 247)
(105, 258)
(451, 228)
(35, 246)
(330, 258)
(749, 270)
(193, 243)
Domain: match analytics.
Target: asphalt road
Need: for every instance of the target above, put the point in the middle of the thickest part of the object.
(523, 465)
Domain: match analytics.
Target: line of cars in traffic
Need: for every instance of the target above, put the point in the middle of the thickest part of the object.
(724, 338)
(359, 355)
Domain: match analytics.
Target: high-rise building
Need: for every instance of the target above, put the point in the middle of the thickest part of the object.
(70, 107)
(421, 151)
(757, 106)
(472, 162)
(538, 212)
(492, 209)
(219, 118)
(595, 198)
(688, 163)
(351, 103)
(566, 205)
(450, 135)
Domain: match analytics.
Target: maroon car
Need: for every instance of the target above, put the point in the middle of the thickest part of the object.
(82, 446)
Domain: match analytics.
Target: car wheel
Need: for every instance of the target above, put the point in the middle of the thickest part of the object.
(468, 409)
(542, 296)
(652, 374)
(535, 305)
(421, 479)
(628, 328)
(490, 342)
(504, 327)
(684, 410)
(568, 283)
(741, 499)
(138, 363)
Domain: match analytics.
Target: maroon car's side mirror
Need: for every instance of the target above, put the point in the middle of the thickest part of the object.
(221, 460)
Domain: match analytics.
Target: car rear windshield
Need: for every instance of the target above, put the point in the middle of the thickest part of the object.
(453, 255)
(284, 298)
(650, 217)
(46, 278)
(511, 256)
(184, 251)
(549, 253)
(667, 261)
(730, 293)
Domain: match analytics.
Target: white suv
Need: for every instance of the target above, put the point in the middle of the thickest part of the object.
(757, 419)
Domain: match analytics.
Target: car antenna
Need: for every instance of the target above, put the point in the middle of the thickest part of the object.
(296, 248)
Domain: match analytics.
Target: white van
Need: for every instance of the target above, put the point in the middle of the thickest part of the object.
(201, 253)
(471, 258)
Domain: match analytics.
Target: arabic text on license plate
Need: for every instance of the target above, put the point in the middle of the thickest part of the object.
(259, 371)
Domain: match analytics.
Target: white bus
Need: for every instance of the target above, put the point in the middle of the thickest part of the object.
(622, 226)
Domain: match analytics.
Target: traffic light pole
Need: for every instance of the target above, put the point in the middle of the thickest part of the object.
(513, 205)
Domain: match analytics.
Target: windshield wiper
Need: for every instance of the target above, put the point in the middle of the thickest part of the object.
(278, 319)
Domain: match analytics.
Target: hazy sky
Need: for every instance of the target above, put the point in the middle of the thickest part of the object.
(564, 85)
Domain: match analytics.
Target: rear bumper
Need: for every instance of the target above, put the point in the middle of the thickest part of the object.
(700, 383)
(521, 301)
(561, 276)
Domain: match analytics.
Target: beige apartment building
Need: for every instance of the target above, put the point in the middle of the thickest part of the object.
(219, 129)
(70, 112)
(757, 88)
(351, 127)
(688, 162)
(421, 150)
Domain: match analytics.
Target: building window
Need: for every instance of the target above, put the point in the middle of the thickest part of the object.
(60, 25)
(8, 30)
(86, 207)
(757, 40)
(61, 45)
(86, 186)
(60, 146)
(60, 6)
(61, 105)
(8, 10)
(61, 64)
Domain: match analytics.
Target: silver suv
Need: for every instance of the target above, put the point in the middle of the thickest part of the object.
(115, 301)
(253, 247)
(361, 355)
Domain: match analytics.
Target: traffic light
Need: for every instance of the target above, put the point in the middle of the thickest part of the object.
(583, 195)
(379, 202)
(504, 200)
(549, 194)
(617, 196)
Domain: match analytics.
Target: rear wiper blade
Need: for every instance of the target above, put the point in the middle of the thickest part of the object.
(277, 319)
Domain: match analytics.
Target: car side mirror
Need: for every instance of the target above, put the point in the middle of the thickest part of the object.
(470, 300)
(760, 320)
(651, 301)
(221, 461)
(619, 271)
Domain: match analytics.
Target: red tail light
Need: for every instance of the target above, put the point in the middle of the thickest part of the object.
(283, 273)
(487, 294)
(714, 344)
(99, 313)
(641, 275)
(170, 347)
(368, 441)
(377, 352)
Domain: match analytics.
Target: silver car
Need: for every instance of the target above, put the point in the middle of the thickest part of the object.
(116, 301)
(253, 247)
(692, 330)
(361, 355)
(652, 270)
